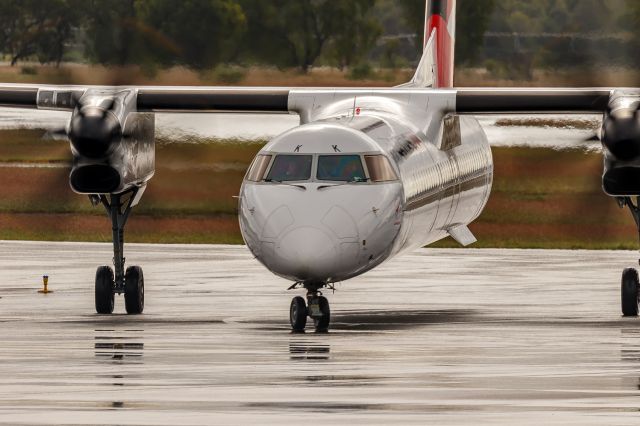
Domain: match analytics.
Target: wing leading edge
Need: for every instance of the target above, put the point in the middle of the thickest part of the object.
(19, 97)
(276, 99)
(175, 99)
(531, 100)
(269, 100)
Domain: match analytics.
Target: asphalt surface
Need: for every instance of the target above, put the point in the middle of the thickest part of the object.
(439, 336)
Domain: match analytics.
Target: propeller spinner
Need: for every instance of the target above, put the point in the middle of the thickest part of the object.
(94, 129)
(621, 126)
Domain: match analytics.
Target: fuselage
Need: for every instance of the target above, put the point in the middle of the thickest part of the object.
(332, 199)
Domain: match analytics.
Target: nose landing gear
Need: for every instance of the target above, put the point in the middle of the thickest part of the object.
(316, 308)
(116, 280)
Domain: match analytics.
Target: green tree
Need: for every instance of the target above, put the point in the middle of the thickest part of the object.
(631, 19)
(473, 17)
(631, 22)
(355, 31)
(27, 29)
(111, 29)
(195, 33)
(414, 12)
(198, 33)
(293, 33)
(588, 15)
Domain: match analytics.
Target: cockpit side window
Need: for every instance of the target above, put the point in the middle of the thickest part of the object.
(258, 168)
(379, 168)
(290, 168)
(346, 168)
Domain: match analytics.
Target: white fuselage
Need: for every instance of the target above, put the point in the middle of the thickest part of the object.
(312, 228)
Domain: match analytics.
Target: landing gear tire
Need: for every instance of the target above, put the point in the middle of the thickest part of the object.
(321, 323)
(134, 290)
(298, 314)
(104, 290)
(630, 290)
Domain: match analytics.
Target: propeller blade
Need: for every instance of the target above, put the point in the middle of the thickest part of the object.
(56, 134)
(593, 138)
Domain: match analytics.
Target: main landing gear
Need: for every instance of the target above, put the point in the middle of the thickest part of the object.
(316, 308)
(630, 286)
(108, 281)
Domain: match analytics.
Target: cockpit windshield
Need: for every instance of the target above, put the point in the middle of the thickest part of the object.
(351, 168)
(341, 168)
(290, 168)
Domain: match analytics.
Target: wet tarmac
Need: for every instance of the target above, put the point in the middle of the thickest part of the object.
(440, 336)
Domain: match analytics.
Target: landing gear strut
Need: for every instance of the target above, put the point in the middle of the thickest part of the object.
(630, 286)
(316, 308)
(108, 281)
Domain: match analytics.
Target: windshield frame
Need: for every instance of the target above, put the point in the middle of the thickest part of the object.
(249, 175)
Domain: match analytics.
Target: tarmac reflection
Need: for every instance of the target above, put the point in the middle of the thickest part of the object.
(111, 344)
(308, 351)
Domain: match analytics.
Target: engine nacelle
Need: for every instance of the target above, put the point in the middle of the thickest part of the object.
(621, 142)
(113, 145)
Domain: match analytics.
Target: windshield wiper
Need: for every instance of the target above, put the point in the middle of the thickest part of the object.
(354, 180)
(302, 187)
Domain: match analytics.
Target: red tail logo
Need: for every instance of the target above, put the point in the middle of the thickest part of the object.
(441, 17)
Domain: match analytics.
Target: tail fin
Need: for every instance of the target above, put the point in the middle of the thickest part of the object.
(440, 21)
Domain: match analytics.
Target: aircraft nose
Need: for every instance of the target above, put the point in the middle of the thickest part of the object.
(310, 251)
(324, 233)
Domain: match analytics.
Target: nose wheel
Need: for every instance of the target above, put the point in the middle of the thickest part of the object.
(630, 290)
(106, 288)
(134, 290)
(320, 313)
(316, 308)
(298, 314)
(630, 286)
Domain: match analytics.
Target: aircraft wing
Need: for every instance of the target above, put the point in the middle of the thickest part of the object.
(175, 99)
(276, 99)
(418, 105)
(531, 100)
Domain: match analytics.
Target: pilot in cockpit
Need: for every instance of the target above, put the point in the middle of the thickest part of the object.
(346, 168)
(290, 168)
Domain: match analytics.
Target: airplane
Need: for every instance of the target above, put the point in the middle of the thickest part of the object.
(369, 174)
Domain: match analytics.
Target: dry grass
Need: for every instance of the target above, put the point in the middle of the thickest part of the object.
(317, 77)
(140, 228)
(31, 145)
(578, 77)
(180, 76)
(190, 179)
(541, 198)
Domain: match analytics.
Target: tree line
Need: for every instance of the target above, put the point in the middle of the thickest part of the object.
(197, 33)
(201, 34)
